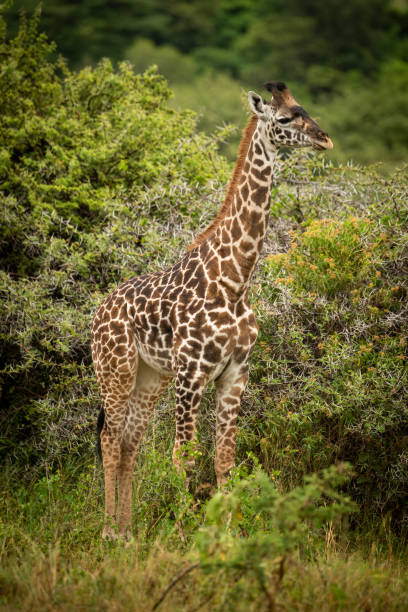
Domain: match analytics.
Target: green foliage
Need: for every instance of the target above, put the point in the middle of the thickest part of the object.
(211, 94)
(330, 365)
(332, 256)
(206, 95)
(104, 180)
(75, 143)
(368, 114)
(176, 66)
(88, 31)
(232, 35)
(350, 71)
(100, 180)
(252, 531)
(250, 549)
(273, 524)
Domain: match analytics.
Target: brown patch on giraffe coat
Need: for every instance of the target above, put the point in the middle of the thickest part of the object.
(221, 318)
(192, 348)
(244, 216)
(254, 185)
(216, 303)
(165, 327)
(105, 318)
(232, 401)
(260, 195)
(245, 245)
(192, 283)
(245, 191)
(258, 174)
(239, 309)
(201, 332)
(183, 331)
(197, 304)
(213, 268)
(204, 250)
(201, 287)
(236, 231)
(212, 290)
(198, 321)
(141, 302)
(225, 251)
(230, 270)
(221, 338)
(255, 218)
(245, 261)
(212, 352)
(116, 328)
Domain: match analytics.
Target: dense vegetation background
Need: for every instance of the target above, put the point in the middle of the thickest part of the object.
(350, 59)
(103, 177)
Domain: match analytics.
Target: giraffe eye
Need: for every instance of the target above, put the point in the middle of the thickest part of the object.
(284, 120)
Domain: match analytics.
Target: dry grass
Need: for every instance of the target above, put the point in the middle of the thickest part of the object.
(52, 559)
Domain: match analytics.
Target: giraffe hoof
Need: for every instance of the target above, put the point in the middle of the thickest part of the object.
(109, 533)
(126, 536)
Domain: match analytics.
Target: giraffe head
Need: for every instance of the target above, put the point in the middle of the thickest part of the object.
(285, 122)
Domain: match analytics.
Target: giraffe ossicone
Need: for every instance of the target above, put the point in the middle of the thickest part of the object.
(193, 322)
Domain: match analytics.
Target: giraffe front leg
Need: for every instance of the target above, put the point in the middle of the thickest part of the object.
(189, 391)
(229, 388)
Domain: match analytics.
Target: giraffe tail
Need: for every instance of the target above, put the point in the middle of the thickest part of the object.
(99, 426)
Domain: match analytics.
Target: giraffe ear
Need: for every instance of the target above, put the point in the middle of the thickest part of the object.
(257, 105)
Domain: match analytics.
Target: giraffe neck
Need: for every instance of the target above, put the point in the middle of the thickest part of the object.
(238, 236)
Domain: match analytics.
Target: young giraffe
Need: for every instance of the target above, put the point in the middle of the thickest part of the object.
(193, 321)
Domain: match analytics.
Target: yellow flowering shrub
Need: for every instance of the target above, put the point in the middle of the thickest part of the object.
(329, 256)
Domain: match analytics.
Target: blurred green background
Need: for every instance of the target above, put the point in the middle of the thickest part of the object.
(345, 61)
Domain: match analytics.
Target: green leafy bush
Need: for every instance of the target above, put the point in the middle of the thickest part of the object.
(253, 548)
(274, 524)
(101, 179)
(330, 366)
(332, 256)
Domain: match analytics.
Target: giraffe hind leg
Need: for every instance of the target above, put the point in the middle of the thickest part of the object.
(99, 427)
(116, 363)
(149, 386)
(116, 404)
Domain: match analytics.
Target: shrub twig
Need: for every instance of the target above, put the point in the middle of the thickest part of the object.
(175, 580)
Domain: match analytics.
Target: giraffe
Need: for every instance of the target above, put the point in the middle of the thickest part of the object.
(192, 322)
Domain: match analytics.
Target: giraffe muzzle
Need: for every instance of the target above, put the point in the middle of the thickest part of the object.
(322, 144)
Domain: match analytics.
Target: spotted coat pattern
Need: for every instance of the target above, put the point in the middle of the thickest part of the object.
(192, 322)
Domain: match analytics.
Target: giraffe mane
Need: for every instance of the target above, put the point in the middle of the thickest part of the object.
(247, 134)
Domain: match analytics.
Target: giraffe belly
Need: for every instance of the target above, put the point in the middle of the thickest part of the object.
(159, 360)
(162, 361)
(220, 368)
